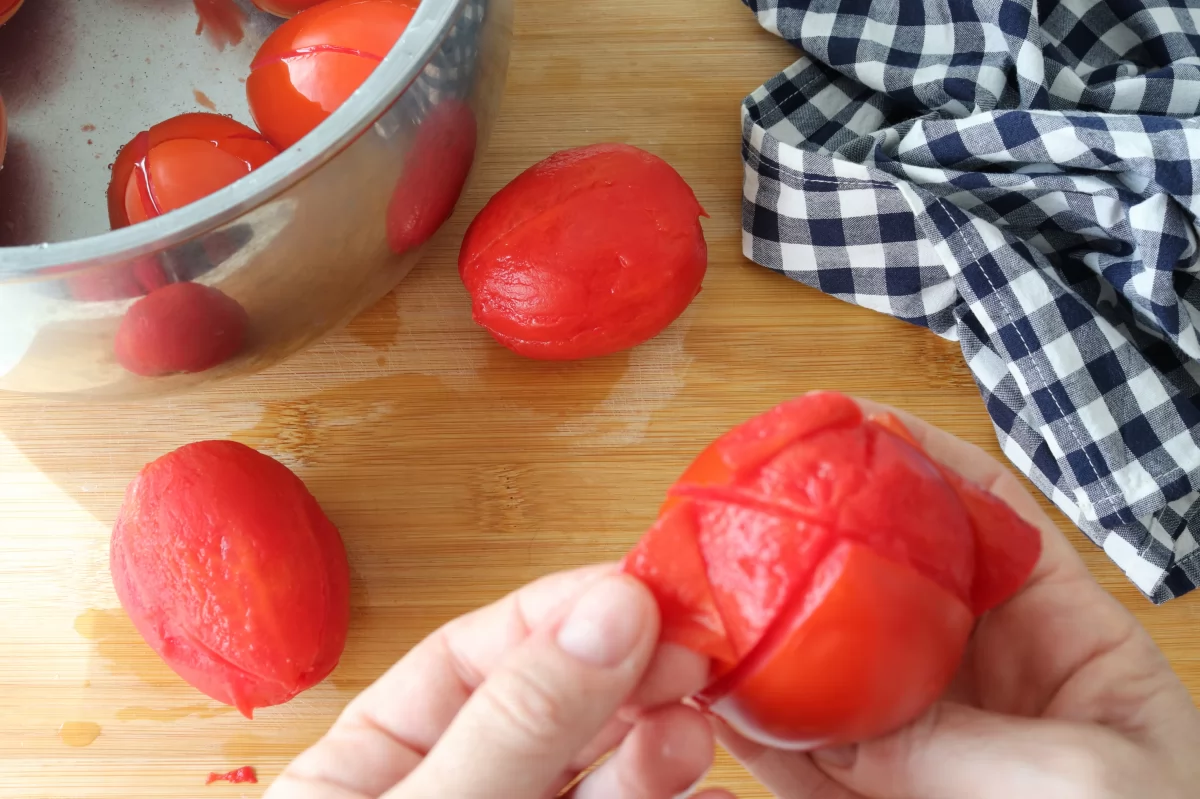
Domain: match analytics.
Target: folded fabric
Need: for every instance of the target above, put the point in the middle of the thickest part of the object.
(1021, 177)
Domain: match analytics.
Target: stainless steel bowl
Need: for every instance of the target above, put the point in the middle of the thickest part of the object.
(300, 243)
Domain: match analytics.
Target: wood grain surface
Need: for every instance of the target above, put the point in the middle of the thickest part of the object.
(455, 470)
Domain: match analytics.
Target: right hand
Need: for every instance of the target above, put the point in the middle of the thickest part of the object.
(1062, 694)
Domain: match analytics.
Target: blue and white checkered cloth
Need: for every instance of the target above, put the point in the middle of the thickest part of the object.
(1021, 177)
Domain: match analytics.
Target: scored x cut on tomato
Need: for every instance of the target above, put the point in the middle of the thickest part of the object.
(179, 161)
(307, 68)
(777, 533)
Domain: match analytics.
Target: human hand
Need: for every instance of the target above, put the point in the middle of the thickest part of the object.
(1061, 695)
(517, 699)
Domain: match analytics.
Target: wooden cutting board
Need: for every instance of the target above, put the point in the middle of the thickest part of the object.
(455, 470)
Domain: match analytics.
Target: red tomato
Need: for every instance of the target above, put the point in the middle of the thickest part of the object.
(308, 67)
(232, 573)
(286, 8)
(8, 8)
(435, 173)
(180, 328)
(180, 161)
(830, 569)
(589, 252)
(866, 648)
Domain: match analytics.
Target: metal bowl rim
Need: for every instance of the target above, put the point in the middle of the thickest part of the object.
(429, 27)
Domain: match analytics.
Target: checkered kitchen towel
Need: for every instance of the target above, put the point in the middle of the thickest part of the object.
(1022, 176)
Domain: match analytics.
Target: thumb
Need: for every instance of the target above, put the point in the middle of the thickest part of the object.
(545, 701)
(955, 751)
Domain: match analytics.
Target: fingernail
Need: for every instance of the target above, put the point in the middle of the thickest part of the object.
(837, 756)
(605, 623)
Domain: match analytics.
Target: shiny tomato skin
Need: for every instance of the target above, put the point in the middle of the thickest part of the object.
(308, 67)
(435, 173)
(180, 161)
(868, 648)
(589, 252)
(180, 328)
(286, 8)
(232, 573)
(8, 9)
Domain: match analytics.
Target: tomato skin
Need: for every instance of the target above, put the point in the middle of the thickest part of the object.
(435, 173)
(589, 252)
(180, 328)
(179, 161)
(845, 566)
(868, 648)
(231, 572)
(307, 68)
(8, 9)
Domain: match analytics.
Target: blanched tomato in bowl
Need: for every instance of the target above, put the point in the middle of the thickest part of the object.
(180, 161)
(308, 67)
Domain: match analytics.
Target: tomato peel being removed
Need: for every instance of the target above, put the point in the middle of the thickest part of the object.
(307, 68)
(179, 161)
(589, 252)
(830, 570)
(232, 573)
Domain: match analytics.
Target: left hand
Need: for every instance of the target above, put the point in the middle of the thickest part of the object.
(517, 699)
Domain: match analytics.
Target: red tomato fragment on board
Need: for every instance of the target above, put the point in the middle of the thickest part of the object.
(243, 774)
(589, 252)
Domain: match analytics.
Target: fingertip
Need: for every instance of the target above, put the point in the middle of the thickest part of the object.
(674, 673)
(668, 752)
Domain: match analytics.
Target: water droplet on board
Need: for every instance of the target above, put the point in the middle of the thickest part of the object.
(79, 733)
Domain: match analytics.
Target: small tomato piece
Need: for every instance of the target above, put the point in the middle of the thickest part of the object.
(592, 251)
(8, 9)
(232, 573)
(307, 68)
(180, 161)
(435, 172)
(865, 650)
(180, 328)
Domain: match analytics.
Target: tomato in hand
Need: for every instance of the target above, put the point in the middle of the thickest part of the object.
(590, 252)
(308, 67)
(180, 328)
(180, 161)
(232, 573)
(830, 569)
(435, 172)
(9, 8)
